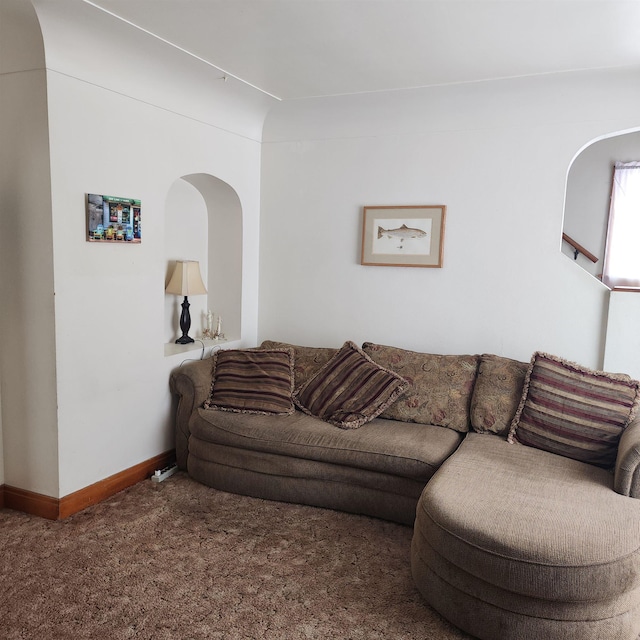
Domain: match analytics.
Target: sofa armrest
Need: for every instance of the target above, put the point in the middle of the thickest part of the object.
(191, 383)
(627, 470)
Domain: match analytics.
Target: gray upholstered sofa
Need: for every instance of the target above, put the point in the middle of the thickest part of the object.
(512, 540)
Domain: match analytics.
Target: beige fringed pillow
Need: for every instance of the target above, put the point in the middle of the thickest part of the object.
(497, 393)
(350, 389)
(574, 411)
(307, 360)
(252, 381)
(440, 385)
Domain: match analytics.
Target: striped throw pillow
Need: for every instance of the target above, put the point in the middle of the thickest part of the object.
(573, 411)
(350, 389)
(252, 381)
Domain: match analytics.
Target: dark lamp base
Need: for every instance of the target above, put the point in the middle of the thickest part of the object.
(185, 323)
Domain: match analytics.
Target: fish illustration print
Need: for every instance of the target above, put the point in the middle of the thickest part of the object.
(401, 232)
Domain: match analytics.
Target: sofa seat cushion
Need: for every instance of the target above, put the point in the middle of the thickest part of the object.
(404, 449)
(531, 523)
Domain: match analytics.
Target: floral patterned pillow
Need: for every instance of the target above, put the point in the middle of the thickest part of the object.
(497, 393)
(440, 386)
(307, 360)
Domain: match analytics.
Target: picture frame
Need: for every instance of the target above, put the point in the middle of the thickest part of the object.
(403, 236)
(113, 220)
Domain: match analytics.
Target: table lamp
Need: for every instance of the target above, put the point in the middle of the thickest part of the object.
(186, 281)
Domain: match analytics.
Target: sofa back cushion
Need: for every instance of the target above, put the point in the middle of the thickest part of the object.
(350, 389)
(574, 411)
(307, 360)
(497, 393)
(440, 386)
(252, 381)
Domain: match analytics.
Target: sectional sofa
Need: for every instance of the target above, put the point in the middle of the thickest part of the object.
(521, 479)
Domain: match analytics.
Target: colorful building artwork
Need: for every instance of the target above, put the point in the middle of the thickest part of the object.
(113, 219)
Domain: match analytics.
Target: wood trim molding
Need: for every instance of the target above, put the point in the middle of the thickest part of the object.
(59, 508)
(108, 487)
(1, 496)
(30, 502)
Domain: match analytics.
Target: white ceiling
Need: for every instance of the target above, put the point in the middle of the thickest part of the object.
(303, 48)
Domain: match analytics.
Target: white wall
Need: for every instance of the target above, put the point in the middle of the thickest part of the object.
(28, 439)
(113, 393)
(588, 194)
(497, 154)
(126, 120)
(622, 351)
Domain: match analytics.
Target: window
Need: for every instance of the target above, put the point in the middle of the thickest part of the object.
(622, 251)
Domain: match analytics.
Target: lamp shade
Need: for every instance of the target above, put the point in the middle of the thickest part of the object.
(186, 279)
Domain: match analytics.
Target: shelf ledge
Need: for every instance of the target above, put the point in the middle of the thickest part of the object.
(172, 349)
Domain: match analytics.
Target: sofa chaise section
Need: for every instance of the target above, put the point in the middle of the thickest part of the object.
(540, 546)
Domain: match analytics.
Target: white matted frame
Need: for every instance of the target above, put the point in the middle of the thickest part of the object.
(403, 236)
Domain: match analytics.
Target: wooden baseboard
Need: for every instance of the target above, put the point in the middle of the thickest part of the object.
(108, 487)
(1, 496)
(30, 502)
(59, 508)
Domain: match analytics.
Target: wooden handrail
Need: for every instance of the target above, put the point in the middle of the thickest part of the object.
(579, 249)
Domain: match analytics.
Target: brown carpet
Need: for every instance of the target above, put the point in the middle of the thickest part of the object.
(180, 560)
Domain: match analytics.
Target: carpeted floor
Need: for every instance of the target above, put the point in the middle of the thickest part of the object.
(179, 560)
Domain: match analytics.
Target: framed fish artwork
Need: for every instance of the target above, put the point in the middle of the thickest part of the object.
(403, 236)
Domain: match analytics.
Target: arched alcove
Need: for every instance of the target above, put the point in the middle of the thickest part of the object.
(587, 196)
(186, 232)
(203, 221)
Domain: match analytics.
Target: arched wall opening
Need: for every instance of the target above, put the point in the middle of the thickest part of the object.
(586, 214)
(587, 196)
(203, 222)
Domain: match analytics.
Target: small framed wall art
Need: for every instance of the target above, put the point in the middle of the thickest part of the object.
(111, 219)
(403, 236)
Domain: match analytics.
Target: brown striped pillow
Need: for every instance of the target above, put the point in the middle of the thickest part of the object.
(252, 381)
(574, 411)
(350, 389)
